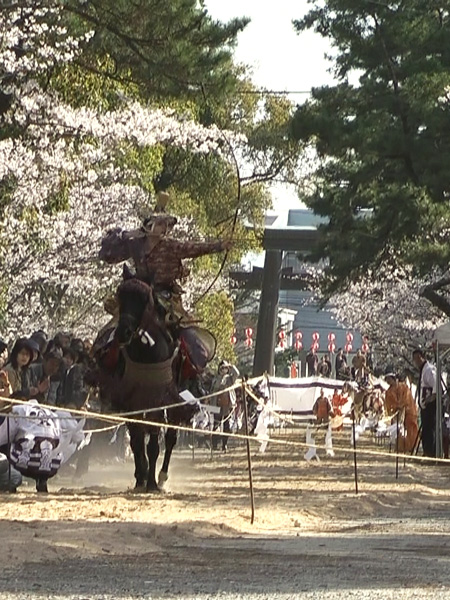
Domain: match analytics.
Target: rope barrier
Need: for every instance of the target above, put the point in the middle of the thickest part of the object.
(235, 385)
(106, 416)
(99, 430)
(238, 436)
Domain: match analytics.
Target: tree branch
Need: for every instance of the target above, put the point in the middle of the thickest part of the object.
(438, 300)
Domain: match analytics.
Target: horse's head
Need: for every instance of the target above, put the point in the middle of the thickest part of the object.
(136, 308)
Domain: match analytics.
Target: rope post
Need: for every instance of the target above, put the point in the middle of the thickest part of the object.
(396, 446)
(211, 428)
(193, 443)
(354, 451)
(9, 454)
(249, 458)
(416, 446)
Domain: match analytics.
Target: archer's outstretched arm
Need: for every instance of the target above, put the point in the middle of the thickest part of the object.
(194, 249)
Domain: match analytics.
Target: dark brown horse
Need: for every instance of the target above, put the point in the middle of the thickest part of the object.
(138, 374)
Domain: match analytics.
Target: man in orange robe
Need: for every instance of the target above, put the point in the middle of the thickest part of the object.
(399, 398)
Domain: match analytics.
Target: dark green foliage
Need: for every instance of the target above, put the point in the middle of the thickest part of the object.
(170, 48)
(382, 135)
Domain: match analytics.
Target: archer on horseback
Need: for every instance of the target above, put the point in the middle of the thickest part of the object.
(150, 349)
(158, 257)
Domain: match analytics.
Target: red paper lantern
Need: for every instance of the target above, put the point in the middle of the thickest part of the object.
(331, 347)
(365, 348)
(249, 342)
(298, 345)
(249, 332)
(315, 346)
(365, 339)
(316, 336)
(298, 335)
(233, 339)
(348, 347)
(349, 337)
(282, 335)
(331, 337)
(282, 344)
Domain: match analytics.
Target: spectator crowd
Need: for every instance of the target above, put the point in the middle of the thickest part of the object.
(48, 370)
(357, 370)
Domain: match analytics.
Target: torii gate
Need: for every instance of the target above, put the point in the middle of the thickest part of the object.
(275, 242)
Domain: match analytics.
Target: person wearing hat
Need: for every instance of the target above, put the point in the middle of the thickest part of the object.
(33, 344)
(398, 398)
(40, 337)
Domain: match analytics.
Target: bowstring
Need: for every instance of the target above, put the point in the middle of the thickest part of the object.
(236, 212)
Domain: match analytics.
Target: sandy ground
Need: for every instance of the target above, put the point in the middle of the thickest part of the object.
(312, 537)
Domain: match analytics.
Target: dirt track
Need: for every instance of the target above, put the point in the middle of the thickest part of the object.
(312, 536)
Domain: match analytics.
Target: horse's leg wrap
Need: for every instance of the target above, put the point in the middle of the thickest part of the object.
(170, 440)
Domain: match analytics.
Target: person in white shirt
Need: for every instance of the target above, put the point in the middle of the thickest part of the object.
(427, 402)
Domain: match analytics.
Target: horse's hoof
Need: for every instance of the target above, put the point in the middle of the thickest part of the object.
(139, 488)
(153, 489)
(162, 478)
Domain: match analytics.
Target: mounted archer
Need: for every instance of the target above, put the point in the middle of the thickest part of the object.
(158, 257)
(150, 350)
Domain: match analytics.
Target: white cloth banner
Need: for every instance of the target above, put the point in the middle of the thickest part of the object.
(297, 396)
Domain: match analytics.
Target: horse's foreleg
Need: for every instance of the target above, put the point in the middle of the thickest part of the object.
(137, 443)
(170, 440)
(153, 453)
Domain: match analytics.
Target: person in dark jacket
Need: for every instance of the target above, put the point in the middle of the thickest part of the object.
(312, 361)
(323, 369)
(71, 391)
(40, 375)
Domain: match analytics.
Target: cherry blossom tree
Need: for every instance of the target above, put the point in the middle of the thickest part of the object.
(388, 307)
(64, 177)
